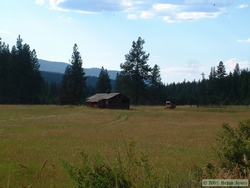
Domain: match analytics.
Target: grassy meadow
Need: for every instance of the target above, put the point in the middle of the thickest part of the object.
(35, 139)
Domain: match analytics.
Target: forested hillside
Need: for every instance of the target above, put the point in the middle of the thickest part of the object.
(22, 82)
(59, 67)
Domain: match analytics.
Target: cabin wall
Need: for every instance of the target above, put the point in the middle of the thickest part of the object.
(118, 102)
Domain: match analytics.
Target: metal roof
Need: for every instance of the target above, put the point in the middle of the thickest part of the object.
(100, 96)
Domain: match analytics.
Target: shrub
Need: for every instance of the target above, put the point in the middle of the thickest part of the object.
(234, 149)
(95, 174)
(125, 172)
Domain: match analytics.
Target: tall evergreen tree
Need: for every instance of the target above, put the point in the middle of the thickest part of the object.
(117, 83)
(155, 77)
(74, 81)
(37, 82)
(244, 86)
(212, 74)
(221, 71)
(135, 70)
(4, 72)
(156, 88)
(24, 76)
(236, 70)
(103, 83)
(234, 83)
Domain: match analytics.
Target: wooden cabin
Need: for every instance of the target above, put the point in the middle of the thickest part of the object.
(108, 100)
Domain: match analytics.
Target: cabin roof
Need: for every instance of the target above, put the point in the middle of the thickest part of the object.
(100, 96)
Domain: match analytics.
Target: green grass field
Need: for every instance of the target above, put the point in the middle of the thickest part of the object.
(174, 140)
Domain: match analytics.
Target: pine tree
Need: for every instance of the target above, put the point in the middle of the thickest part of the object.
(37, 81)
(74, 81)
(155, 77)
(117, 83)
(234, 84)
(156, 90)
(4, 72)
(103, 83)
(236, 70)
(217, 85)
(221, 71)
(244, 86)
(135, 70)
(212, 75)
(25, 80)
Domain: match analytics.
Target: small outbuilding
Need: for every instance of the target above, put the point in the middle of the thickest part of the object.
(108, 100)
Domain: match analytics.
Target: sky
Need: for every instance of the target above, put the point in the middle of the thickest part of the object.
(185, 38)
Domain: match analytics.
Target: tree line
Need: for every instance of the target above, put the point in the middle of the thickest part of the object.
(20, 78)
(221, 88)
(143, 83)
(21, 81)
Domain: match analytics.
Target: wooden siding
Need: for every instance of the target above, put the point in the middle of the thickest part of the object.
(110, 101)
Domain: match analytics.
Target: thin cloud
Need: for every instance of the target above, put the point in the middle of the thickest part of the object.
(147, 14)
(189, 11)
(193, 71)
(169, 10)
(181, 70)
(86, 6)
(132, 17)
(54, 4)
(4, 32)
(243, 41)
(231, 63)
(166, 7)
(191, 16)
(242, 6)
(68, 19)
(190, 72)
(39, 2)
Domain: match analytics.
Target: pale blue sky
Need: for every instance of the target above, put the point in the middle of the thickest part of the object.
(183, 37)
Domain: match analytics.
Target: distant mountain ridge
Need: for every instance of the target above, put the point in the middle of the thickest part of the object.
(59, 67)
(56, 77)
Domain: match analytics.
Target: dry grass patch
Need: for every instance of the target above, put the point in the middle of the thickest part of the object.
(174, 140)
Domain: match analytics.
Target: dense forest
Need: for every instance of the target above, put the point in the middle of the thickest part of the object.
(20, 78)
(21, 81)
(221, 88)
